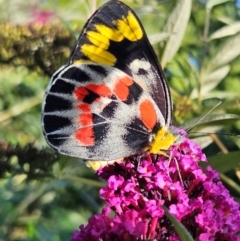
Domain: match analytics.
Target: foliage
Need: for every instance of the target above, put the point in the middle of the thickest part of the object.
(45, 196)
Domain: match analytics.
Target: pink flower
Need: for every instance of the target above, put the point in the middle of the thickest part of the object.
(139, 186)
(40, 16)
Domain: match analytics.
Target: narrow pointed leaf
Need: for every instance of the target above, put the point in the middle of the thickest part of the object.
(156, 38)
(220, 94)
(226, 31)
(180, 229)
(226, 52)
(176, 26)
(210, 81)
(209, 118)
(211, 3)
(215, 77)
(230, 183)
(224, 162)
(203, 141)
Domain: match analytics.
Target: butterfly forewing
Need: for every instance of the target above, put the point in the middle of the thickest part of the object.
(114, 36)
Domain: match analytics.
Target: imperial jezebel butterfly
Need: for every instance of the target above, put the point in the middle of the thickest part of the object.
(111, 99)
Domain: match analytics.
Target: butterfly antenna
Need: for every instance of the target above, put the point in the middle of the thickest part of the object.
(177, 167)
(202, 118)
(168, 171)
(209, 133)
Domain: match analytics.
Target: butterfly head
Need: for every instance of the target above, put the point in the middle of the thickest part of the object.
(163, 139)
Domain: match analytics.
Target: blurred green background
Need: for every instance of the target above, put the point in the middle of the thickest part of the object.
(45, 196)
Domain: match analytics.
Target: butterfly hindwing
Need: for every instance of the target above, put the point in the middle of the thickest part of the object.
(102, 113)
(114, 36)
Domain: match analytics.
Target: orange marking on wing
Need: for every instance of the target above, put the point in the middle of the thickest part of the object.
(84, 107)
(85, 136)
(127, 80)
(121, 89)
(80, 93)
(148, 114)
(102, 90)
(85, 119)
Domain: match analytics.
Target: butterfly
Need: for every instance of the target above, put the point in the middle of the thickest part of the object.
(111, 100)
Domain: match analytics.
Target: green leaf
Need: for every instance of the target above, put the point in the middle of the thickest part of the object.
(180, 229)
(226, 31)
(221, 95)
(211, 3)
(214, 78)
(202, 135)
(158, 37)
(209, 118)
(210, 81)
(176, 25)
(226, 52)
(202, 141)
(232, 185)
(224, 162)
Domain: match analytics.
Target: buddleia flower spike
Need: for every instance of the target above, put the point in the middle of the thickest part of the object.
(138, 187)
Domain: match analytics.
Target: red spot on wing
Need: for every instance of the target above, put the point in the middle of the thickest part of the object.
(121, 88)
(81, 92)
(84, 107)
(85, 119)
(85, 135)
(102, 89)
(148, 114)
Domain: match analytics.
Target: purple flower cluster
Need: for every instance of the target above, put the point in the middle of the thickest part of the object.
(139, 186)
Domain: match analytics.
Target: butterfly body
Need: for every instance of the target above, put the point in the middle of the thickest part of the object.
(111, 100)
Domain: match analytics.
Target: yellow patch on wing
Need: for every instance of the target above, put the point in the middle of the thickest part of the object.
(110, 33)
(99, 39)
(130, 27)
(98, 55)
